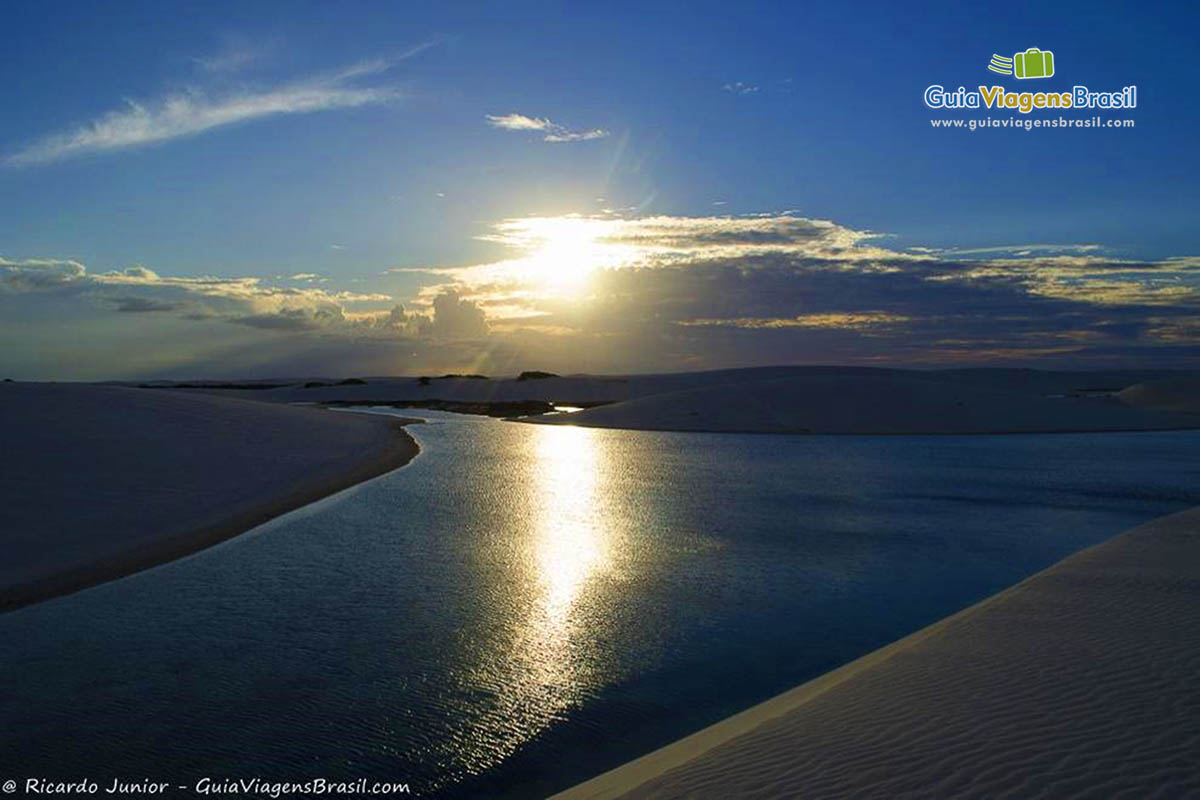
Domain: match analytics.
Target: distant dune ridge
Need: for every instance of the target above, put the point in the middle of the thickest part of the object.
(1080, 681)
(873, 403)
(100, 481)
(1169, 394)
(790, 399)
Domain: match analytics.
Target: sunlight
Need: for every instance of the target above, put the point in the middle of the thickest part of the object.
(570, 547)
(563, 252)
(543, 656)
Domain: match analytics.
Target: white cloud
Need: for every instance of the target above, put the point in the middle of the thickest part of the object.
(575, 136)
(783, 275)
(235, 56)
(518, 122)
(622, 240)
(739, 87)
(250, 301)
(1012, 249)
(855, 320)
(552, 131)
(649, 291)
(196, 110)
(139, 288)
(38, 274)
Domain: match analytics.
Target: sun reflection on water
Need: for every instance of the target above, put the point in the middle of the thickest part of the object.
(543, 660)
(571, 541)
(568, 546)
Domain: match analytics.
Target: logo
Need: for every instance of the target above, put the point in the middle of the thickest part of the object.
(1033, 63)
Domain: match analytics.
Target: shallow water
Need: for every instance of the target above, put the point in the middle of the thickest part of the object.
(525, 606)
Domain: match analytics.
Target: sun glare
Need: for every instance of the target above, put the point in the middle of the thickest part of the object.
(563, 252)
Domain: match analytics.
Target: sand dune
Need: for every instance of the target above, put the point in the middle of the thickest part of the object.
(1081, 681)
(614, 388)
(1171, 394)
(100, 481)
(871, 402)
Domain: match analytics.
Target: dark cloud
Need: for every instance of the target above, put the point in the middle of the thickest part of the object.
(779, 307)
(293, 319)
(690, 293)
(141, 304)
(456, 318)
(282, 321)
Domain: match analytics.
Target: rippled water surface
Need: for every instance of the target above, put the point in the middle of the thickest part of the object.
(525, 606)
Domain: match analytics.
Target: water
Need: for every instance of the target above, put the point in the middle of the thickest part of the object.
(525, 606)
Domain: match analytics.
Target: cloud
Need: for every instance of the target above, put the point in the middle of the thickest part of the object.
(647, 293)
(856, 320)
(235, 56)
(1015, 249)
(196, 110)
(457, 318)
(292, 319)
(587, 242)
(552, 131)
(251, 302)
(660, 290)
(141, 304)
(140, 289)
(739, 87)
(518, 122)
(39, 274)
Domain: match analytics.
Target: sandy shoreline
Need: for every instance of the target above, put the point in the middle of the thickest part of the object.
(100, 482)
(1080, 680)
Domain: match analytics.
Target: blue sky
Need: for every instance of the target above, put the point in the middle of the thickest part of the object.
(257, 140)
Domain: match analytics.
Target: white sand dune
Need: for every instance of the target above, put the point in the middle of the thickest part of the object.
(1050, 382)
(100, 481)
(1171, 394)
(615, 388)
(866, 402)
(1081, 681)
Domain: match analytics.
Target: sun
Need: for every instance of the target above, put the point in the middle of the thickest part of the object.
(562, 253)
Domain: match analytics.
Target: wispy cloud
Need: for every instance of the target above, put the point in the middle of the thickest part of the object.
(195, 110)
(739, 87)
(857, 320)
(1012, 249)
(551, 131)
(235, 56)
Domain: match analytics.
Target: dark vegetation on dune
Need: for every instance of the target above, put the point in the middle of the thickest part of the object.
(425, 380)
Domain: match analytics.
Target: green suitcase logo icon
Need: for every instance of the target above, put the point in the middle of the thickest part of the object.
(1033, 63)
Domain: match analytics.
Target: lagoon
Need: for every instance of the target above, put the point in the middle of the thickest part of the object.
(525, 606)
